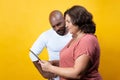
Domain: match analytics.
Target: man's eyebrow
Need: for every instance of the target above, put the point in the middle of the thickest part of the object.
(57, 24)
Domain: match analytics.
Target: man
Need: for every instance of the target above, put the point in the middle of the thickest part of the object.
(54, 40)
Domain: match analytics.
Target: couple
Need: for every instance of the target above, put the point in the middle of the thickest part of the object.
(79, 49)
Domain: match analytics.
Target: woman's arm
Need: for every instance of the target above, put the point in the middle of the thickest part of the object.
(75, 72)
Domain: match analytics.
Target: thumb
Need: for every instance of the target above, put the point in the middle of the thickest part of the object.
(41, 62)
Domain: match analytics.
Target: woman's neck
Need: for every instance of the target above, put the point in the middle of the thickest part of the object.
(78, 35)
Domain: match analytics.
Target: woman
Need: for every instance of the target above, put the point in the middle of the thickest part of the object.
(79, 59)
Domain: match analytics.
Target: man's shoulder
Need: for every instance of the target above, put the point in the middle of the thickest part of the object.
(48, 32)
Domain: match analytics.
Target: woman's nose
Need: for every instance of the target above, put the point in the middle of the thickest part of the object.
(66, 26)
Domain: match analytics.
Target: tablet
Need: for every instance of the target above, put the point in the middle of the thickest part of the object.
(34, 54)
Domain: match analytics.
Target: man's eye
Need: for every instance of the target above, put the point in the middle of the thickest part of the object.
(59, 24)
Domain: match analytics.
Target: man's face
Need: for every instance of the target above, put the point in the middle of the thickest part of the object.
(58, 25)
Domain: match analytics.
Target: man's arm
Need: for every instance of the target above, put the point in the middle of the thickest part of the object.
(38, 66)
(54, 62)
(47, 75)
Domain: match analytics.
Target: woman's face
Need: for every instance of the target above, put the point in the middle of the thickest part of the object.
(72, 28)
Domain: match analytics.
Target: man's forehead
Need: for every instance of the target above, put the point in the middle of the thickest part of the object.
(55, 22)
(56, 17)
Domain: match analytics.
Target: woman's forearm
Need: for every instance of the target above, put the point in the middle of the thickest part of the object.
(65, 72)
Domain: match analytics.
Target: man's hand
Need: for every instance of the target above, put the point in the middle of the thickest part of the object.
(54, 62)
(45, 74)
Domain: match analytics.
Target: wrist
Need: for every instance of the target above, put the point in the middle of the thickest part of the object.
(51, 68)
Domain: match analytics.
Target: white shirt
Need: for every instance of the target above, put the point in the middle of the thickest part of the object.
(52, 41)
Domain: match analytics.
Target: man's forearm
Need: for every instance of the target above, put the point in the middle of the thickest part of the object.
(43, 73)
(54, 62)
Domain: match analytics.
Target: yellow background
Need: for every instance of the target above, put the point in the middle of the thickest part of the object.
(21, 22)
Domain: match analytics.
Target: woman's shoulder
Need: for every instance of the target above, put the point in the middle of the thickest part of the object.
(89, 37)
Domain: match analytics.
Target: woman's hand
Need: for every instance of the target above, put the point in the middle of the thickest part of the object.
(46, 65)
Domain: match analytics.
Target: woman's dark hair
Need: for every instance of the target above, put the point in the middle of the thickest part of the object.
(82, 18)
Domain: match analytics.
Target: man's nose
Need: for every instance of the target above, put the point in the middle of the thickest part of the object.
(57, 27)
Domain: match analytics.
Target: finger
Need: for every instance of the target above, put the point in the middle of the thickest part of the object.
(39, 62)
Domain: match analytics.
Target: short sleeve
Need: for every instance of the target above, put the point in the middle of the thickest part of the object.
(38, 46)
(85, 46)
